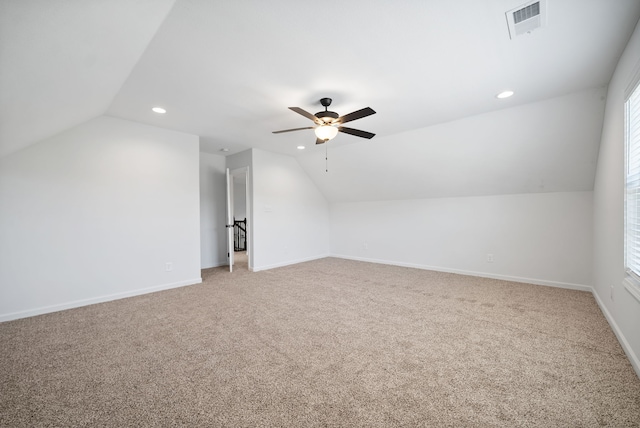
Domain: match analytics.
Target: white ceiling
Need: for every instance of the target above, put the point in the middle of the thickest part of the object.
(228, 70)
(63, 61)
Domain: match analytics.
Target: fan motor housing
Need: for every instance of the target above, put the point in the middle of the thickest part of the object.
(327, 116)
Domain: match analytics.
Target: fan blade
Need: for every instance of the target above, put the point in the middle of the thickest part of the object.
(294, 129)
(367, 111)
(319, 141)
(356, 132)
(306, 114)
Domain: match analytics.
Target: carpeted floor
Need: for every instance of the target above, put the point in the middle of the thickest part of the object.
(325, 343)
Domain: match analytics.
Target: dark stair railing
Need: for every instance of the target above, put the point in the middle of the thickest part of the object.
(240, 235)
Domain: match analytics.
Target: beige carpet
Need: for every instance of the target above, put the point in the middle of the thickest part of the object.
(325, 343)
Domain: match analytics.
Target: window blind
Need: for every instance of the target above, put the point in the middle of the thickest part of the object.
(632, 199)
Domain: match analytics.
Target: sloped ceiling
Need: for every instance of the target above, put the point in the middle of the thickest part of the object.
(227, 71)
(63, 61)
(545, 146)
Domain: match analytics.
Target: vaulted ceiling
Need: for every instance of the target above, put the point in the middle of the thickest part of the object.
(63, 62)
(227, 71)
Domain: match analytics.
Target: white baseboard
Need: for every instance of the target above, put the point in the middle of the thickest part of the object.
(94, 300)
(288, 263)
(633, 358)
(547, 283)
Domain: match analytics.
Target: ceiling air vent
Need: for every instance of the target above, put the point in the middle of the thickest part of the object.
(526, 18)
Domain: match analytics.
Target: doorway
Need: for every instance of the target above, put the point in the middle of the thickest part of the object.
(238, 219)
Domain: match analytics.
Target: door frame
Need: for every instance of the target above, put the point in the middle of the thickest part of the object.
(237, 172)
(229, 226)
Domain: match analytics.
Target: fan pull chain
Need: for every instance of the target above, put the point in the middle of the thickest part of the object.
(326, 157)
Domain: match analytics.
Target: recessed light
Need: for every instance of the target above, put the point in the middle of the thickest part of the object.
(300, 147)
(504, 94)
(224, 150)
(159, 110)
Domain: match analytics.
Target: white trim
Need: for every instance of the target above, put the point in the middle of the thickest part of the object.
(568, 285)
(632, 286)
(633, 358)
(633, 79)
(288, 263)
(94, 300)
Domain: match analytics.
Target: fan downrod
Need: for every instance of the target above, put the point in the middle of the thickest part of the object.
(326, 116)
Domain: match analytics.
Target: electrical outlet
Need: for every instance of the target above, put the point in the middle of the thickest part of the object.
(489, 258)
(168, 267)
(365, 246)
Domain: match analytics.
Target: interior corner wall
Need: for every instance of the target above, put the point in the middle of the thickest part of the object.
(240, 160)
(213, 233)
(105, 210)
(542, 238)
(619, 306)
(290, 215)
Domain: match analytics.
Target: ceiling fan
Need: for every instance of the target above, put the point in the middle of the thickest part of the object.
(328, 122)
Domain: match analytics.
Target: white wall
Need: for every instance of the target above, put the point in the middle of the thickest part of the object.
(94, 214)
(240, 160)
(239, 198)
(623, 311)
(213, 244)
(542, 238)
(290, 215)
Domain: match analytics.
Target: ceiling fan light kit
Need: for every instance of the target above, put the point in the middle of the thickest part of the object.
(326, 132)
(328, 122)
